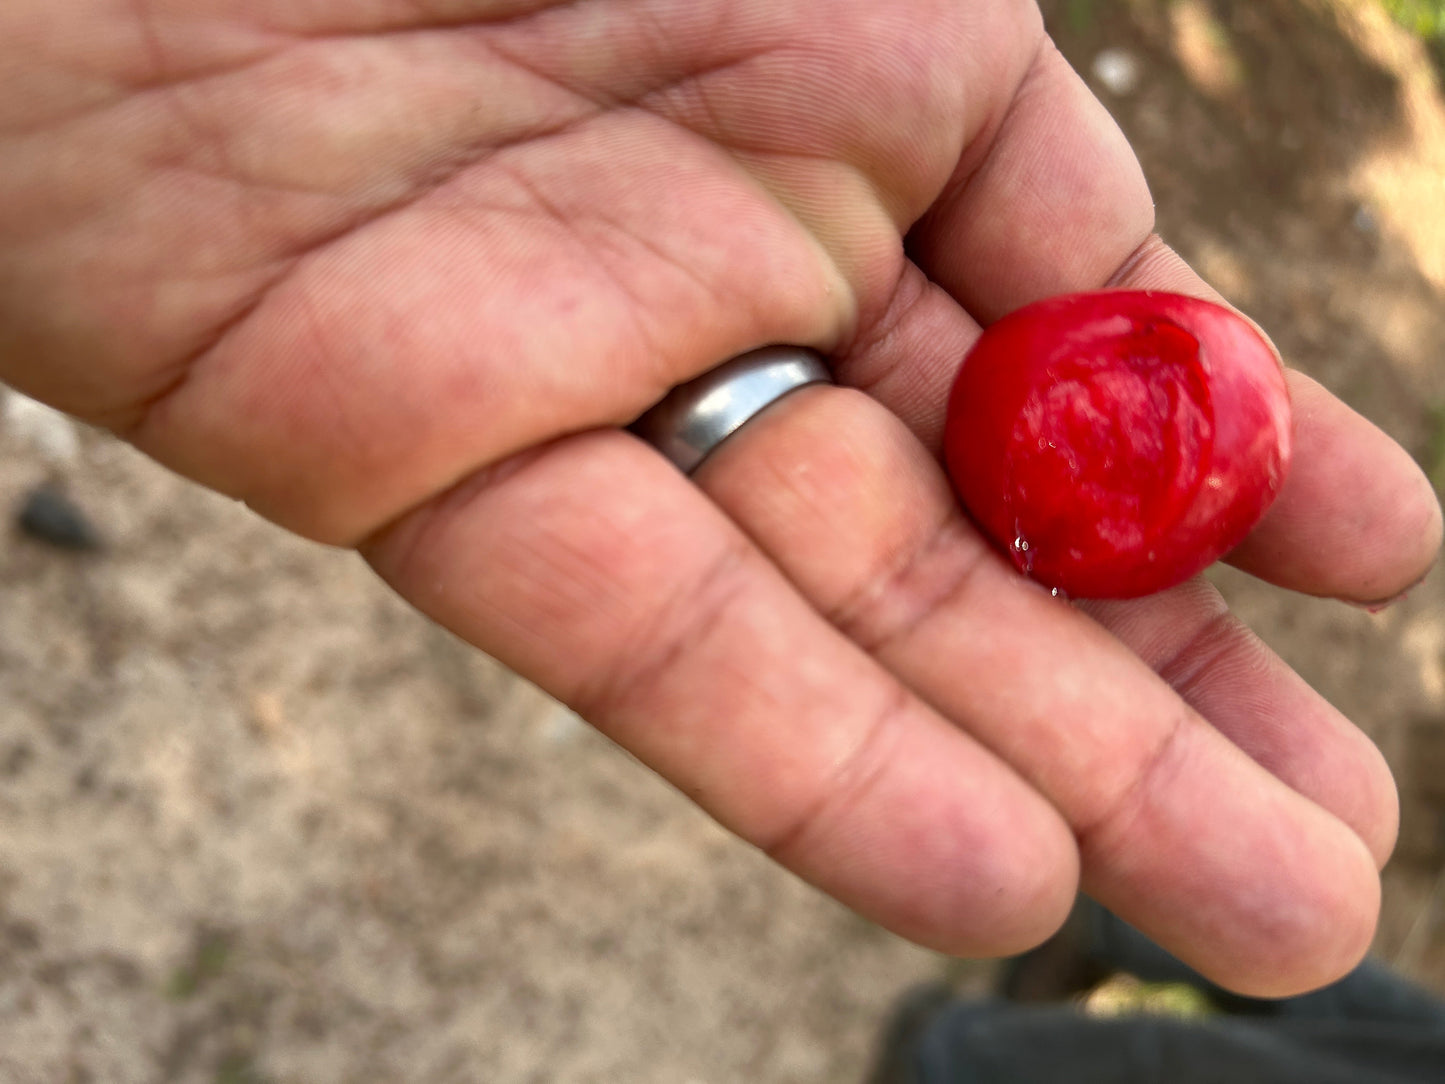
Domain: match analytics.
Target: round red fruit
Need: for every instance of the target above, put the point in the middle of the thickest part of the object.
(1114, 444)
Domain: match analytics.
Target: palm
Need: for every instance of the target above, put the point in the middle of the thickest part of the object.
(396, 280)
(468, 212)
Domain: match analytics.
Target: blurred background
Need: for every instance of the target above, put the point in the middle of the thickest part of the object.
(260, 824)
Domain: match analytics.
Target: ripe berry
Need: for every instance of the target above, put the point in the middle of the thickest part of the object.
(1117, 443)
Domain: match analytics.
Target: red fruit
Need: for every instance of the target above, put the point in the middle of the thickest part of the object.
(1115, 444)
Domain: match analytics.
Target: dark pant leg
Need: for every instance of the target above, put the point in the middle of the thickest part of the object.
(1000, 1043)
(1371, 1027)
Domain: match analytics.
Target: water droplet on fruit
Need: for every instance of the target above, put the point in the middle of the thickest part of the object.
(1023, 553)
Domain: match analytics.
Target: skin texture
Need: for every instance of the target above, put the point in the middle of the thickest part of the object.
(395, 271)
(1114, 444)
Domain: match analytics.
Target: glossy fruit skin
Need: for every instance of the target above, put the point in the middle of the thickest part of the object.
(1116, 443)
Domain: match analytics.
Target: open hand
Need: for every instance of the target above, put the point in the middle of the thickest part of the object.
(397, 272)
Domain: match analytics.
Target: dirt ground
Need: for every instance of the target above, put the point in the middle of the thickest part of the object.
(260, 823)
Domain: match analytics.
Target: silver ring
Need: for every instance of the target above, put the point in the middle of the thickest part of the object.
(697, 416)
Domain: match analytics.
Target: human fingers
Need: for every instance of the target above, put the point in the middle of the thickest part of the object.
(1219, 667)
(1059, 204)
(595, 569)
(1180, 832)
(1356, 520)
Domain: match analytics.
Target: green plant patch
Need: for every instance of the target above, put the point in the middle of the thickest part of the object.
(1423, 18)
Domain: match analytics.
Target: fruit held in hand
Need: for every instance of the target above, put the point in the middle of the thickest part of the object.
(1116, 443)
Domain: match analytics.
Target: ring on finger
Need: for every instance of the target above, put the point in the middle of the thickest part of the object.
(694, 418)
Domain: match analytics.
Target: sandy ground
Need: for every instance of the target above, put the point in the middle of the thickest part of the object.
(257, 814)
(260, 823)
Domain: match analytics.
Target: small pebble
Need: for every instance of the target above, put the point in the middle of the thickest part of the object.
(49, 516)
(1118, 70)
(43, 428)
(562, 725)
